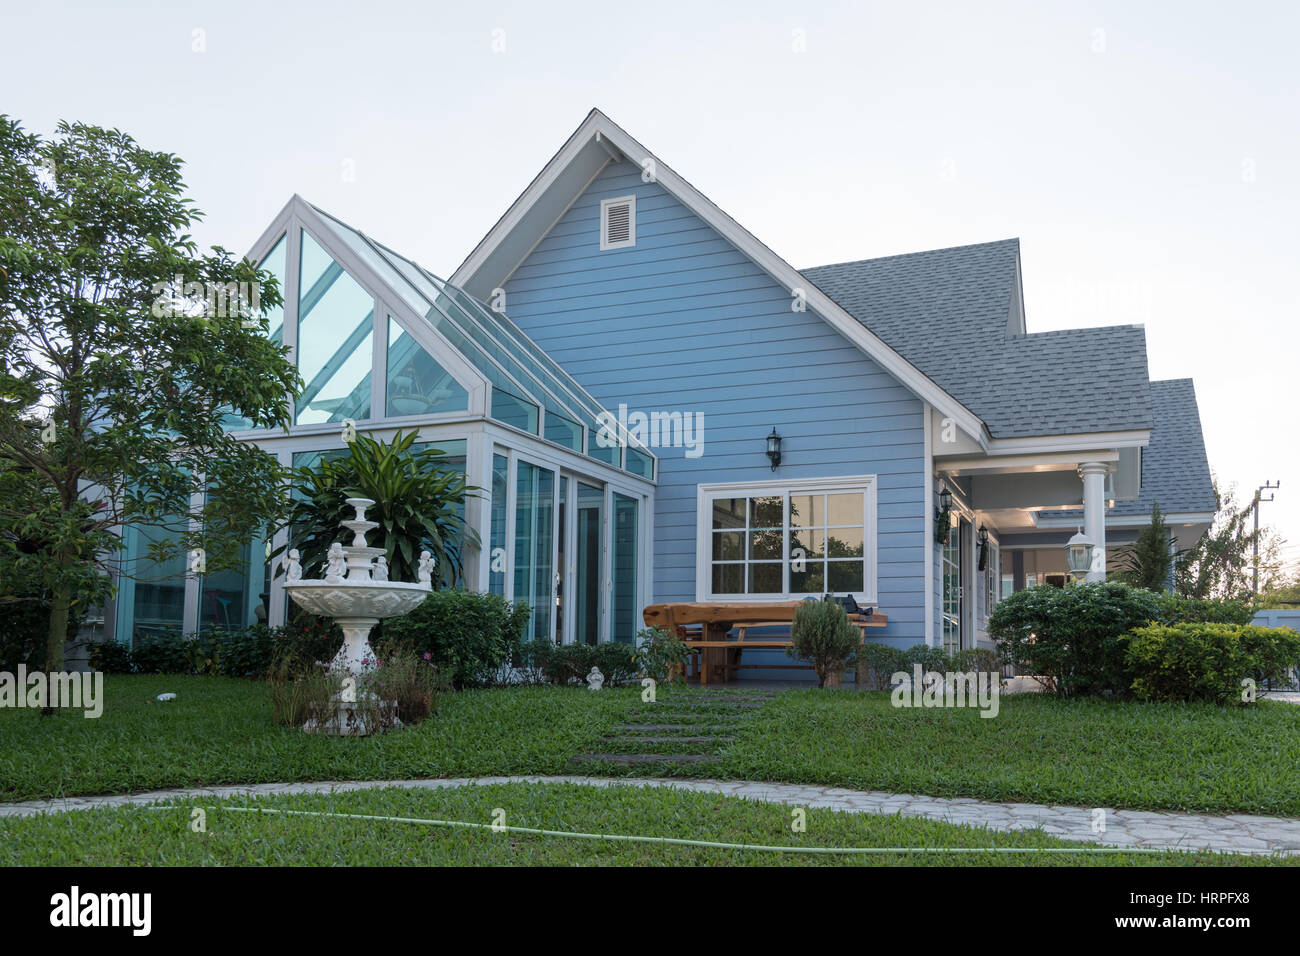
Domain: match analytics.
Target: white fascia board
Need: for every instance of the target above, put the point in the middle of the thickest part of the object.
(278, 228)
(1088, 441)
(1129, 521)
(1021, 464)
(780, 270)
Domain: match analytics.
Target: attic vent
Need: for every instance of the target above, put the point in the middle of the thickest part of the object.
(618, 222)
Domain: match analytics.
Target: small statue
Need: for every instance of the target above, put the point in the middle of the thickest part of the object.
(293, 570)
(334, 570)
(381, 568)
(595, 679)
(425, 570)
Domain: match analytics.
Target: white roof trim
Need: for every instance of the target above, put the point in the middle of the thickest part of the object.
(597, 123)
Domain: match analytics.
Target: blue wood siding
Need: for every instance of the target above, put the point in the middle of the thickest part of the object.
(683, 321)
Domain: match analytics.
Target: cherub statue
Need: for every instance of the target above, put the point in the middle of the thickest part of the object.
(595, 679)
(381, 568)
(425, 570)
(334, 569)
(293, 570)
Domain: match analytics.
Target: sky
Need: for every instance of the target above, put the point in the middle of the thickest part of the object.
(1147, 155)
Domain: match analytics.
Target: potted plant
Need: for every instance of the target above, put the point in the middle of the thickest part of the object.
(821, 632)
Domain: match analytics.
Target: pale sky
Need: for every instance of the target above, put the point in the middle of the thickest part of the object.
(1146, 155)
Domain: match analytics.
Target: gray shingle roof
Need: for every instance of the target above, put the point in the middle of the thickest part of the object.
(947, 312)
(1175, 471)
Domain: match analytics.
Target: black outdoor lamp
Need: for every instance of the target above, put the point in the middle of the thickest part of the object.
(943, 516)
(774, 448)
(984, 548)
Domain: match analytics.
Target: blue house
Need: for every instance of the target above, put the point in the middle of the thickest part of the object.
(657, 407)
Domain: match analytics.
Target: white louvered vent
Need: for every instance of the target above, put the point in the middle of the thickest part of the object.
(618, 222)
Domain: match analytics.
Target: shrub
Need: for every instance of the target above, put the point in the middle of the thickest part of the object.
(247, 653)
(566, 664)
(110, 657)
(878, 663)
(1196, 661)
(469, 635)
(1072, 639)
(1175, 609)
(978, 659)
(409, 679)
(930, 659)
(661, 655)
(821, 633)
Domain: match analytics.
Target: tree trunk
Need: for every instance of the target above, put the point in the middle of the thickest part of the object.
(58, 633)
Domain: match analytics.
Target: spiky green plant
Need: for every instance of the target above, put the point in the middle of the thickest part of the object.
(419, 504)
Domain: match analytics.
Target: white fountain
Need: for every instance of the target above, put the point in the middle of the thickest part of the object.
(355, 592)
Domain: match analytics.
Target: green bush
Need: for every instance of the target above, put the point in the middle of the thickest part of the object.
(1175, 609)
(110, 657)
(878, 663)
(822, 634)
(1196, 661)
(247, 653)
(470, 636)
(660, 653)
(566, 664)
(24, 627)
(1073, 638)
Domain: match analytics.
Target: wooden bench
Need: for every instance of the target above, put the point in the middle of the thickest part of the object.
(730, 661)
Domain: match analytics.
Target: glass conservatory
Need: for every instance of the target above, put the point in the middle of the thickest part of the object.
(562, 511)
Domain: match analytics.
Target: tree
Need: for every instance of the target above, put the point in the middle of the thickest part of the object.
(121, 345)
(1146, 563)
(1219, 564)
(419, 505)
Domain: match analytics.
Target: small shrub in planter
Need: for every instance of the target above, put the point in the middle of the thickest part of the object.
(821, 633)
(1196, 661)
(1072, 639)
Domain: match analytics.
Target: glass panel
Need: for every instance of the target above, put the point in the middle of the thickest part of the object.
(335, 340)
(845, 576)
(497, 557)
(801, 511)
(810, 544)
(728, 579)
(844, 542)
(765, 578)
(951, 590)
(728, 546)
(624, 613)
(510, 409)
(586, 622)
(563, 431)
(765, 544)
(765, 512)
(844, 509)
(729, 513)
(417, 383)
(639, 463)
(276, 263)
(534, 544)
(226, 598)
(561, 562)
(151, 595)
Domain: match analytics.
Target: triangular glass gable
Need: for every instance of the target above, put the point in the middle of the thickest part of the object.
(336, 336)
(417, 382)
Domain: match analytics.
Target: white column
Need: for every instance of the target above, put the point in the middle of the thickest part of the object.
(1094, 514)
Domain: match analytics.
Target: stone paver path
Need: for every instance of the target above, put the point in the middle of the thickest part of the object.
(1237, 833)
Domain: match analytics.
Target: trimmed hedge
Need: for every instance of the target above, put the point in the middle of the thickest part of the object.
(1208, 661)
(470, 636)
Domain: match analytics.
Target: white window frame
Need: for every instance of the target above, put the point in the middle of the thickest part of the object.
(630, 241)
(707, 493)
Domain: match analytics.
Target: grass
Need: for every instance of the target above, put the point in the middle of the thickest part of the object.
(1085, 753)
(133, 836)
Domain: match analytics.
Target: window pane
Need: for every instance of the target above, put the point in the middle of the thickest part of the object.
(534, 544)
(727, 546)
(765, 544)
(513, 410)
(801, 511)
(639, 463)
(562, 431)
(275, 263)
(811, 543)
(844, 576)
(811, 580)
(624, 612)
(845, 509)
(728, 579)
(417, 383)
(765, 512)
(844, 542)
(497, 545)
(729, 513)
(765, 578)
(335, 340)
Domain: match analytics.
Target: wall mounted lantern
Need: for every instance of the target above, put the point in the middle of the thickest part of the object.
(774, 448)
(984, 548)
(1078, 555)
(943, 516)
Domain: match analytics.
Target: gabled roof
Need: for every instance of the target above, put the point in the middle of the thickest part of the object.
(1175, 469)
(600, 140)
(953, 313)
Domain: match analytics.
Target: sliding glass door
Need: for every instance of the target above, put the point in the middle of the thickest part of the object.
(589, 513)
(625, 546)
(535, 544)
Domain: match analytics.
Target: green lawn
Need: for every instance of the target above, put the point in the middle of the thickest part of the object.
(132, 836)
(1088, 753)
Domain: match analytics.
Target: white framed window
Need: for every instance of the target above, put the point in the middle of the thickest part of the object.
(618, 222)
(992, 577)
(787, 540)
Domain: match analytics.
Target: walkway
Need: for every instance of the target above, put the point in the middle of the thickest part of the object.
(1237, 833)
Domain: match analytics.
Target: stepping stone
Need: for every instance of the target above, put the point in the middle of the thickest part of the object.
(669, 740)
(701, 725)
(627, 760)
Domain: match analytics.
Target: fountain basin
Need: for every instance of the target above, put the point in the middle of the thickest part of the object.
(370, 600)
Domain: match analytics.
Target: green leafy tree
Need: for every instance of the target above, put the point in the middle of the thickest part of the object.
(1219, 565)
(121, 344)
(1147, 562)
(419, 504)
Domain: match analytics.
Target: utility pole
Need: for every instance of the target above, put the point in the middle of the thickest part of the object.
(1268, 486)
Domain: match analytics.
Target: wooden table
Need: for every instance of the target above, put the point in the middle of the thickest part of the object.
(718, 618)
